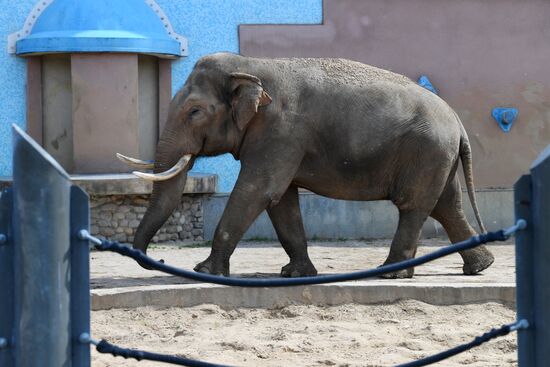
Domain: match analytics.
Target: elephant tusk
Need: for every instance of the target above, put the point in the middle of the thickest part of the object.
(168, 174)
(136, 163)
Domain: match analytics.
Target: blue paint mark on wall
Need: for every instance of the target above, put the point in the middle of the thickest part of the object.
(212, 26)
(209, 25)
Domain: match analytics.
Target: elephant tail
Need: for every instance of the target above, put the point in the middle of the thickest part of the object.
(465, 152)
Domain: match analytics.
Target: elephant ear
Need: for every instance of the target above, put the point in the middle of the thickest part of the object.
(248, 95)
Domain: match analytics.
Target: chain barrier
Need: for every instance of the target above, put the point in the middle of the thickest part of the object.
(103, 346)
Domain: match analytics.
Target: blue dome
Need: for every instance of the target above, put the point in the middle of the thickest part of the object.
(70, 26)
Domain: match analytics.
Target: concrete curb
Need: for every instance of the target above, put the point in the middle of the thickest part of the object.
(188, 295)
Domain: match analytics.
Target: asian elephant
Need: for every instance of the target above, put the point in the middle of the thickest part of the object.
(338, 128)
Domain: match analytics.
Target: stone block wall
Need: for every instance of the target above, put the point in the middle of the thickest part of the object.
(117, 217)
(119, 201)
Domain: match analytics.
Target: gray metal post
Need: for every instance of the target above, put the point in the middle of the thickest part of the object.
(7, 357)
(80, 277)
(41, 228)
(524, 271)
(532, 200)
(540, 178)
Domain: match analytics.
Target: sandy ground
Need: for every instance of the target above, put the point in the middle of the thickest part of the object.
(347, 335)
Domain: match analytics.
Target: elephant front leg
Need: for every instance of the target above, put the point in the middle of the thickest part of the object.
(253, 192)
(242, 209)
(287, 221)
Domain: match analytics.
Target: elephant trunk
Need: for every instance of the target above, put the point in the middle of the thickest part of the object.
(168, 186)
(165, 198)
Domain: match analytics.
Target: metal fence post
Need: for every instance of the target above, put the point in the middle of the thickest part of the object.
(524, 271)
(80, 277)
(540, 178)
(7, 356)
(532, 202)
(41, 202)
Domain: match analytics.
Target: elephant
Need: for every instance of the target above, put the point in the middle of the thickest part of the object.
(338, 128)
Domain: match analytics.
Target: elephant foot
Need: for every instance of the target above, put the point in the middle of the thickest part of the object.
(401, 274)
(298, 269)
(142, 264)
(145, 266)
(477, 260)
(211, 267)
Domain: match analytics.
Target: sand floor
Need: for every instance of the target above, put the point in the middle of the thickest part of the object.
(298, 335)
(347, 335)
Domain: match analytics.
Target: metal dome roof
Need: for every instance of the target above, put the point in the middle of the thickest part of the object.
(137, 26)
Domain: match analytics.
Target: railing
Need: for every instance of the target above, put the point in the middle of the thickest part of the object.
(44, 269)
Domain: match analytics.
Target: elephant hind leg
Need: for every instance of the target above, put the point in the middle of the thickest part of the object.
(287, 221)
(448, 211)
(405, 241)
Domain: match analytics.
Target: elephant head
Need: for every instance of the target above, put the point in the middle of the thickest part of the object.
(207, 117)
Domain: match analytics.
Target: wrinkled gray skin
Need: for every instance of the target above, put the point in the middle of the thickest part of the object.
(339, 128)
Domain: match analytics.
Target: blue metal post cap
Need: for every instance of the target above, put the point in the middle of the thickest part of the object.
(505, 117)
(136, 26)
(423, 81)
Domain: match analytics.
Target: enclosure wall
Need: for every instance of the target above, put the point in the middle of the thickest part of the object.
(478, 54)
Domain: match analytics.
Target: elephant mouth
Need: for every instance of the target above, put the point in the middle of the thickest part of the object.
(161, 176)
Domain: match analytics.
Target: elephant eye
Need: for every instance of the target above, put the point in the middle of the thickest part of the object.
(195, 112)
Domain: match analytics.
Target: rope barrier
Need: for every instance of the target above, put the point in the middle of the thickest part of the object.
(493, 333)
(137, 255)
(103, 346)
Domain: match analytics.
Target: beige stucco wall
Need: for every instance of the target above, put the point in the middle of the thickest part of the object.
(479, 54)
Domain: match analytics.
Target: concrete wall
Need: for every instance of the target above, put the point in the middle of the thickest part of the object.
(96, 138)
(57, 111)
(337, 219)
(148, 104)
(479, 54)
(88, 106)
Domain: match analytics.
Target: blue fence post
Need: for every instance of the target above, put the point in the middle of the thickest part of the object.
(532, 202)
(7, 356)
